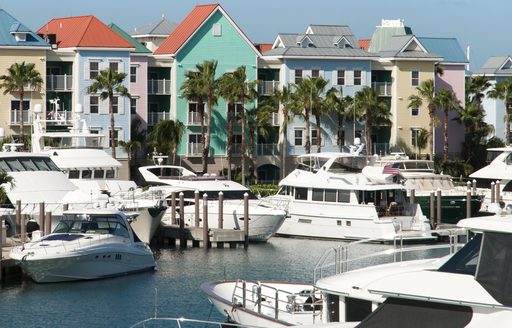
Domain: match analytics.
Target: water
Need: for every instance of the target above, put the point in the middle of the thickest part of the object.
(123, 301)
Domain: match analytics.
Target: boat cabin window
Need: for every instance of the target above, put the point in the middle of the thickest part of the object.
(285, 190)
(466, 259)
(343, 196)
(301, 193)
(331, 195)
(111, 174)
(356, 309)
(348, 164)
(74, 174)
(97, 223)
(86, 174)
(318, 195)
(310, 164)
(22, 164)
(99, 174)
(508, 160)
(166, 171)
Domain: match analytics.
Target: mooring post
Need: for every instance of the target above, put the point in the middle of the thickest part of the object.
(23, 228)
(206, 237)
(41, 217)
(2, 229)
(173, 207)
(246, 220)
(183, 242)
(65, 207)
(438, 207)
(474, 187)
(468, 185)
(498, 191)
(196, 208)
(493, 192)
(221, 210)
(468, 204)
(432, 209)
(413, 196)
(48, 223)
(18, 215)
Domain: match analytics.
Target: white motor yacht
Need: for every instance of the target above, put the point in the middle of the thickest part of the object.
(264, 217)
(81, 155)
(85, 245)
(336, 196)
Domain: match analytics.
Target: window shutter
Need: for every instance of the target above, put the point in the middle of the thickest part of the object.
(363, 77)
(103, 106)
(86, 70)
(120, 105)
(87, 104)
(334, 77)
(349, 77)
(120, 135)
(120, 67)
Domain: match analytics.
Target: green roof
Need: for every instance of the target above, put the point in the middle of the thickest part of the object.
(139, 48)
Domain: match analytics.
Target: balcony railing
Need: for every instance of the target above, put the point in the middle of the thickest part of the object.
(195, 149)
(266, 149)
(155, 117)
(159, 87)
(194, 118)
(59, 82)
(15, 117)
(267, 88)
(382, 88)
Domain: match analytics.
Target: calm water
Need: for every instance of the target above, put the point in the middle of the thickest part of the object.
(123, 301)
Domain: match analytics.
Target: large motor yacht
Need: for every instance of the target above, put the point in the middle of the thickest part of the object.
(336, 196)
(85, 245)
(264, 217)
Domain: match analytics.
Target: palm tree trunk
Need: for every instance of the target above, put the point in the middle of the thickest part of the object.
(112, 123)
(242, 146)
(283, 146)
(318, 135)
(308, 132)
(445, 136)
(230, 138)
(252, 163)
(507, 124)
(205, 141)
(431, 134)
(22, 127)
(340, 128)
(367, 135)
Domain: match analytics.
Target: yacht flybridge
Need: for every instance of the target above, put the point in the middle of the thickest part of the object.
(336, 196)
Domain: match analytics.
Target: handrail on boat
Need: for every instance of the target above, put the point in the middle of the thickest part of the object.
(336, 260)
(198, 323)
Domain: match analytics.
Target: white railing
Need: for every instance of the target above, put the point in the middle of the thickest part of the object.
(267, 88)
(15, 116)
(195, 149)
(59, 116)
(194, 118)
(155, 117)
(382, 88)
(59, 82)
(159, 87)
(266, 149)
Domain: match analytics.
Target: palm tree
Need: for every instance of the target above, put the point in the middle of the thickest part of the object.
(421, 140)
(338, 104)
(258, 122)
(318, 107)
(246, 93)
(476, 130)
(372, 110)
(303, 102)
(284, 97)
(19, 78)
(110, 82)
(130, 147)
(166, 137)
(447, 101)
(503, 91)
(5, 179)
(426, 92)
(229, 93)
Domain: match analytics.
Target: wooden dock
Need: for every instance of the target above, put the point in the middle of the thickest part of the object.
(194, 236)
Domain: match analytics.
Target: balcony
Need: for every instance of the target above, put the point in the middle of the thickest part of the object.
(159, 87)
(194, 118)
(14, 118)
(59, 82)
(382, 88)
(195, 149)
(267, 88)
(266, 149)
(155, 117)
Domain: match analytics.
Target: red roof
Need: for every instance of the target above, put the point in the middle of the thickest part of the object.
(264, 47)
(364, 43)
(185, 29)
(83, 31)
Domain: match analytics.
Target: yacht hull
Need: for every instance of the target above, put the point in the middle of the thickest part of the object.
(453, 208)
(147, 222)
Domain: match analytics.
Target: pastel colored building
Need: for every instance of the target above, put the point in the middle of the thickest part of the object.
(19, 44)
(82, 46)
(207, 33)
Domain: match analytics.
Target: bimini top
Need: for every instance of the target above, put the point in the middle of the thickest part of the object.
(496, 223)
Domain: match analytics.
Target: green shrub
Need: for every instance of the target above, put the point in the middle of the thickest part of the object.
(264, 189)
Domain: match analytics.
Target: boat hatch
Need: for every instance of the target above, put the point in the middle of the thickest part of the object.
(63, 236)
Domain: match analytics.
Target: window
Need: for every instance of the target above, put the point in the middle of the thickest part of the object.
(98, 174)
(298, 75)
(94, 69)
(357, 77)
(217, 29)
(116, 137)
(330, 195)
(15, 111)
(318, 195)
(315, 73)
(237, 111)
(115, 105)
(415, 111)
(298, 140)
(133, 105)
(415, 78)
(343, 196)
(237, 143)
(415, 132)
(194, 112)
(301, 193)
(114, 66)
(94, 104)
(133, 74)
(314, 138)
(341, 77)
(194, 144)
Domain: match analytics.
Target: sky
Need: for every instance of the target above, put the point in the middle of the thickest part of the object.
(480, 24)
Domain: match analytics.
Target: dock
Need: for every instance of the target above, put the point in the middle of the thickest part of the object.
(170, 235)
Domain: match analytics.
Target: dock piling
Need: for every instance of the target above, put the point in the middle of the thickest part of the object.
(206, 239)
(23, 230)
(196, 208)
(413, 196)
(41, 216)
(221, 210)
(183, 241)
(497, 186)
(18, 215)
(432, 209)
(468, 204)
(48, 223)
(173, 207)
(493, 192)
(438, 207)
(246, 220)
(474, 187)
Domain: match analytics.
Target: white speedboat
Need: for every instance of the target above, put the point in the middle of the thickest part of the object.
(85, 245)
(420, 175)
(336, 196)
(264, 217)
(81, 155)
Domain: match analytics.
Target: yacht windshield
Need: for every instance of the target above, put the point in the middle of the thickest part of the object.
(466, 259)
(348, 164)
(97, 224)
(311, 163)
(22, 164)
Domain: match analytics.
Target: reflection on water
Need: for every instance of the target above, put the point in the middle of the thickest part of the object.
(123, 301)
